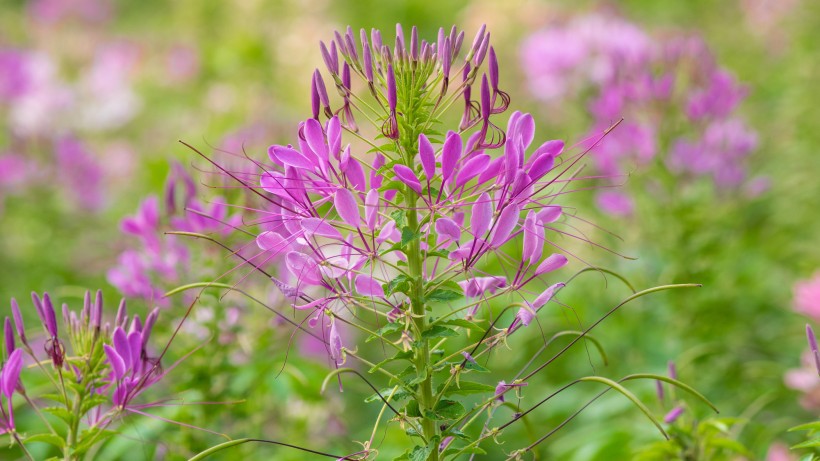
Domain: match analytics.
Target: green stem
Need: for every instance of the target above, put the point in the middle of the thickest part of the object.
(414, 263)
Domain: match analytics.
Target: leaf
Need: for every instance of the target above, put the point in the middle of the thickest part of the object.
(807, 444)
(49, 438)
(399, 217)
(386, 330)
(471, 450)
(400, 394)
(398, 284)
(463, 323)
(412, 409)
(438, 331)
(61, 413)
(447, 409)
(401, 355)
(408, 235)
(420, 453)
(466, 388)
(92, 401)
(468, 365)
(91, 437)
(806, 427)
(445, 291)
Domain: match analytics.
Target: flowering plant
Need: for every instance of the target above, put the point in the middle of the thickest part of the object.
(97, 370)
(419, 241)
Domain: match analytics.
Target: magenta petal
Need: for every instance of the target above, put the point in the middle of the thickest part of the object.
(315, 138)
(271, 241)
(472, 168)
(549, 214)
(347, 207)
(525, 315)
(504, 226)
(407, 176)
(492, 170)
(541, 166)
(553, 148)
(450, 154)
(533, 239)
(273, 182)
(334, 136)
(553, 262)
(526, 128)
(289, 157)
(116, 362)
(482, 216)
(546, 295)
(448, 227)
(320, 227)
(367, 286)
(10, 374)
(427, 156)
(304, 268)
(122, 346)
(371, 209)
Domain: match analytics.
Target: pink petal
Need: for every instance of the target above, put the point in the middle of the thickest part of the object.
(549, 214)
(321, 227)
(367, 286)
(334, 136)
(448, 227)
(289, 157)
(10, 374)
(117, 364)
(271, 241)
(371, 209)
(450, 155)
(482, 216)
(553, 262)
(472, 168)
(546, 295)
(315, 138)
(347, 207)
(304, 268)
(407, 176)
(504, 226)
(427, 156)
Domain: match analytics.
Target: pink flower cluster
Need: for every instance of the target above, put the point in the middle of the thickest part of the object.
(147, 270)
(669, 92)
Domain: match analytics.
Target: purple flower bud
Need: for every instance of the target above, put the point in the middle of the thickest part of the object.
(399, 40)
(96, 311)
(350, 41)
(813, 347)
(446, 59)
(18, 320)
(376, 39)
(427, 156)
(120, 319)
(335, 344)
(8, 336)
(414, 43)
(486, 102)
(673, 371)
(367, 66)
(468, 357)
(340, 42)
(391, 88)
(38, 305)
(85, 314)
(50, 318)
(315, 104)
(482, 52)
(673, 415)
(322, 90)
(477, 42)
(332, 64)
(659, 389)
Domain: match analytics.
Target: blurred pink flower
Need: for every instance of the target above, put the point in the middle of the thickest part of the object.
(807, 297)
(779, 452)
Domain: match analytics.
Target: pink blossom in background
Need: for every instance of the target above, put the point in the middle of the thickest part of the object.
(805, 380)
(79, 173)
(780, 452)
(807, 297)
(668, 91)
(182, 63)
(52, 11)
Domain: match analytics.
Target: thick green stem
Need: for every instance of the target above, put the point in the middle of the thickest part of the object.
(415, 266)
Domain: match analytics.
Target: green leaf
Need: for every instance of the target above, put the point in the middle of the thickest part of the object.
(806, 427)
(807, 444)
(438, 331)
(400, 394)
(447, 409)
(93, 401)
(386, 330)
(399, 284)
(466, 388)
(399, 217)
(463, 323)
(408, 235)
(468, 365)
(61, 413)
(91, 437)
(420, 453)
(445, 291)
(401, 355)
(471, 450)
(412, 409)
(51, 439)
